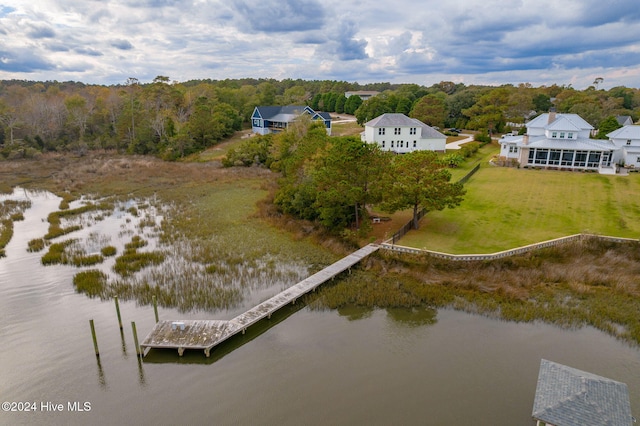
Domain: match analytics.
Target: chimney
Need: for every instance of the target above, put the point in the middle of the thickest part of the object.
(525, 139)
(552, 115)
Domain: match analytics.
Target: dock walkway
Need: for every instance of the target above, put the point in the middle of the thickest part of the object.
(205, 334)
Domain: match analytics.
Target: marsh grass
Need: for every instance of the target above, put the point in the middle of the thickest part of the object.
(132, 261)
(91, 282)
(589, 282)
(108, 251)
(35, 245)
(55, 219)
(10, 211)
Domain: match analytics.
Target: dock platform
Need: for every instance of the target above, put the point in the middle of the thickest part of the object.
(206, 334)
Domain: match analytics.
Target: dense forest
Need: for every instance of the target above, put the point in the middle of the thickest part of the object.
(173, 119)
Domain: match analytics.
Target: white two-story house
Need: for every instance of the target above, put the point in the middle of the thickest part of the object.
(401, 134)
(627, 142)
(559, 141)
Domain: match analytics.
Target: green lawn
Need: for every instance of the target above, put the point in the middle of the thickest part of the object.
(506, 208)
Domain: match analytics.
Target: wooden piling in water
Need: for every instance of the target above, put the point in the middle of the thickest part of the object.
(135, 337)
(118, 312)
(95, 340)
(155, 308)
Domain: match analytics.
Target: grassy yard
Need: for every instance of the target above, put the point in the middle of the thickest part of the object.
(506, 208)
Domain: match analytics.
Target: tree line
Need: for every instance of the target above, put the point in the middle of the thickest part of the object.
(173, 119)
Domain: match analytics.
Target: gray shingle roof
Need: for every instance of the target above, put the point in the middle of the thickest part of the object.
(401, 120)
(566, 396)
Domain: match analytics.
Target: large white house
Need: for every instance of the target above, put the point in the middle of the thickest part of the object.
(274, 119)
(401, 134)
(560, 141)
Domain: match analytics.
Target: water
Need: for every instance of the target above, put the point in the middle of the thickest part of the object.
(343, 368)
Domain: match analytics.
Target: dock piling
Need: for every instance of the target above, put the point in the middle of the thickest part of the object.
(155, 308)
(118, 312)
(135, 338)
(95, 340)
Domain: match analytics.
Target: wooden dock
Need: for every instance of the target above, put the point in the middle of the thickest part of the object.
(206, 334)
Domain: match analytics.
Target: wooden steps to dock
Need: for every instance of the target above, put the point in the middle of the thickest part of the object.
(206, 334)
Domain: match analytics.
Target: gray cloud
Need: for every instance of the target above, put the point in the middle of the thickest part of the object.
(122, 44)
(41, 31)
(87, 51)
(282, 15)
(23, 61)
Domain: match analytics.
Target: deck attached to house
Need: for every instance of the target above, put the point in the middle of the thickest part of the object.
(205, 334)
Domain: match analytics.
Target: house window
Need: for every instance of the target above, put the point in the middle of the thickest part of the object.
(594, 159)
(396, 131)
(637, 159)
(412, 131)
(541, 156)
(391, 144)
(381, 131)
(570, 135)
(554, 157)
(414, 144)
(401, 144)
(581, 159)
(513, 148)
(561, 135)
(567, 158)
(628, 141)
(554, 134)
(256, 122)
(383, 144)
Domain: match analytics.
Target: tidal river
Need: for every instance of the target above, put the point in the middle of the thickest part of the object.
(305, 367)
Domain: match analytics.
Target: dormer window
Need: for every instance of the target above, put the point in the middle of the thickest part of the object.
(570, 135)
(554, 134)
(561, 135)
(628, 141)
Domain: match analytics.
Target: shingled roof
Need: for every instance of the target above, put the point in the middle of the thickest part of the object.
(566, 396)
(401, 120)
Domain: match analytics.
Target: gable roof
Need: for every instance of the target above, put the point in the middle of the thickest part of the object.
(282, 113)
(573, 120)
(624, 120)
(566, 396)
(626, 132)
(401, 120)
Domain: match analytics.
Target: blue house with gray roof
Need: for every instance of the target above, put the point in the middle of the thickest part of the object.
(274, 119)
(566, 396)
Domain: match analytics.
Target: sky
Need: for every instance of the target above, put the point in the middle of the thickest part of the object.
(489, 42)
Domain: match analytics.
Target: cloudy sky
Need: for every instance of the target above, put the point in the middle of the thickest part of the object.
(542, 42)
